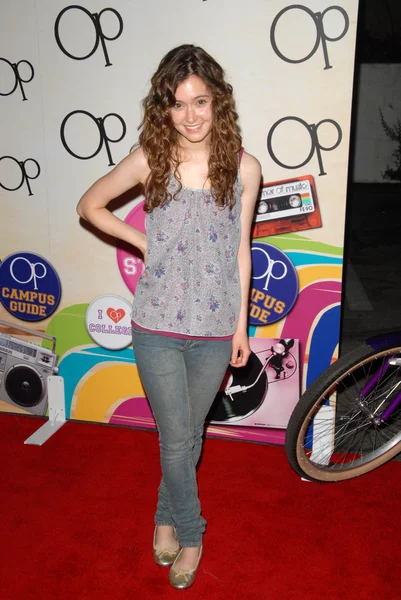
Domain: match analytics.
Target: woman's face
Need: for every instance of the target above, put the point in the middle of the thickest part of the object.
(192, 114)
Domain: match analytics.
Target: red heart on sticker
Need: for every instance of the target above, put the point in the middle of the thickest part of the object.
(115, 315)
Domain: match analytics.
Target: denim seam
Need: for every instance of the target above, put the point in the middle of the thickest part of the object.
(161, 511)
(167, 494)
(191, 424)
(191, 431)
(168, 499)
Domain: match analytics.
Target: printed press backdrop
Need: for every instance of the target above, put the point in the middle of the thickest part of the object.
(72, 77)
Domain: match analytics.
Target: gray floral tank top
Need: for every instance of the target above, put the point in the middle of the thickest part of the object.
(191, 285)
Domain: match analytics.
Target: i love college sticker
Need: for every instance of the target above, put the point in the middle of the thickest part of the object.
(108, 321)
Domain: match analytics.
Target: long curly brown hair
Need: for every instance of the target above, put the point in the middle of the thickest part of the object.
(158, 137)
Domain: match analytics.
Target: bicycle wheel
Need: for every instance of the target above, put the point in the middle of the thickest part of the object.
(348, 423)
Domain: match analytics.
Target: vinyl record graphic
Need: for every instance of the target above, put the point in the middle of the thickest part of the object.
(226, 409)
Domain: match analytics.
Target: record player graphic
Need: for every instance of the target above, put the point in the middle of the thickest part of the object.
(24, 369)
(265, 391)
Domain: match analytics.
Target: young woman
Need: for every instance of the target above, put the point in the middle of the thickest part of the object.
(190, 307)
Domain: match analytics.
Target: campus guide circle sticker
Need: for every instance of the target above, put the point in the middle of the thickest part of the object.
(131, 264)
(108, 321)
(30, 288)
(274, 284)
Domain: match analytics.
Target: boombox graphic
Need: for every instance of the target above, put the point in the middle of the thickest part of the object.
(287, 206)
(265, 391)
(24, 369)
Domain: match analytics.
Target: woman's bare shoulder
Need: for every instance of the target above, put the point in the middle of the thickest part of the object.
(250, 169)
(137, 161)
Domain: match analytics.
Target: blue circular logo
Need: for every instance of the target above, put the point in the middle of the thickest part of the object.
(274, 284)
(29, 286)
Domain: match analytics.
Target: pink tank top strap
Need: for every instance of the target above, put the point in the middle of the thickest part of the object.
(240, 154)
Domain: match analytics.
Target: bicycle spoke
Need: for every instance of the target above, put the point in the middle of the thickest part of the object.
(353, 435)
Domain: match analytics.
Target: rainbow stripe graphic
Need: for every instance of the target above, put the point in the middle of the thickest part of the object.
(306, 199)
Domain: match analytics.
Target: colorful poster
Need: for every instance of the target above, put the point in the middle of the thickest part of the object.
(72, 80)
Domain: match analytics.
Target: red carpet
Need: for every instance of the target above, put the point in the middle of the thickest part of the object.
(77, 522)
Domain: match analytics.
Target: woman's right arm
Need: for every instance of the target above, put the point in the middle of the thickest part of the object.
(92, 207)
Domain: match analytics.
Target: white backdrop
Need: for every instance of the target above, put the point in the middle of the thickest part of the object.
(291, 66)
(235, 33)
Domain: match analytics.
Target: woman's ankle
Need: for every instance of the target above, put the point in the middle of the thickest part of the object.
(165, 536)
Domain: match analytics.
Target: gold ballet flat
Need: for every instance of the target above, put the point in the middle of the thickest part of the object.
(181, 579)
(164, 557)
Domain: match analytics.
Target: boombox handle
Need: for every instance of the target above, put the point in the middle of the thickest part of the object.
(32, 332)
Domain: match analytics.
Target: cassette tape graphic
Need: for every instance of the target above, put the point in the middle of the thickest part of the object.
(287, 206)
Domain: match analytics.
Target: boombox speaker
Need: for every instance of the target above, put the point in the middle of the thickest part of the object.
(24, 369)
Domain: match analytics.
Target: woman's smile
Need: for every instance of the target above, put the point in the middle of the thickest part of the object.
(193, 128)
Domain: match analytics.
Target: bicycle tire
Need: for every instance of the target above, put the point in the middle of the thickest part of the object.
(300, 428)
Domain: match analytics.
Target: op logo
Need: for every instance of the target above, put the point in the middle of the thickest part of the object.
(100, 36)
(25, 176)
(29, 286)
(104, 138)
(315, 144)
(18, 76)
(115, 314)
(321, 34)
(274, 284)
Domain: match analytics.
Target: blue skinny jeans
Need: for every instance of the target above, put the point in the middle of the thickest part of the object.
(181, 379)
